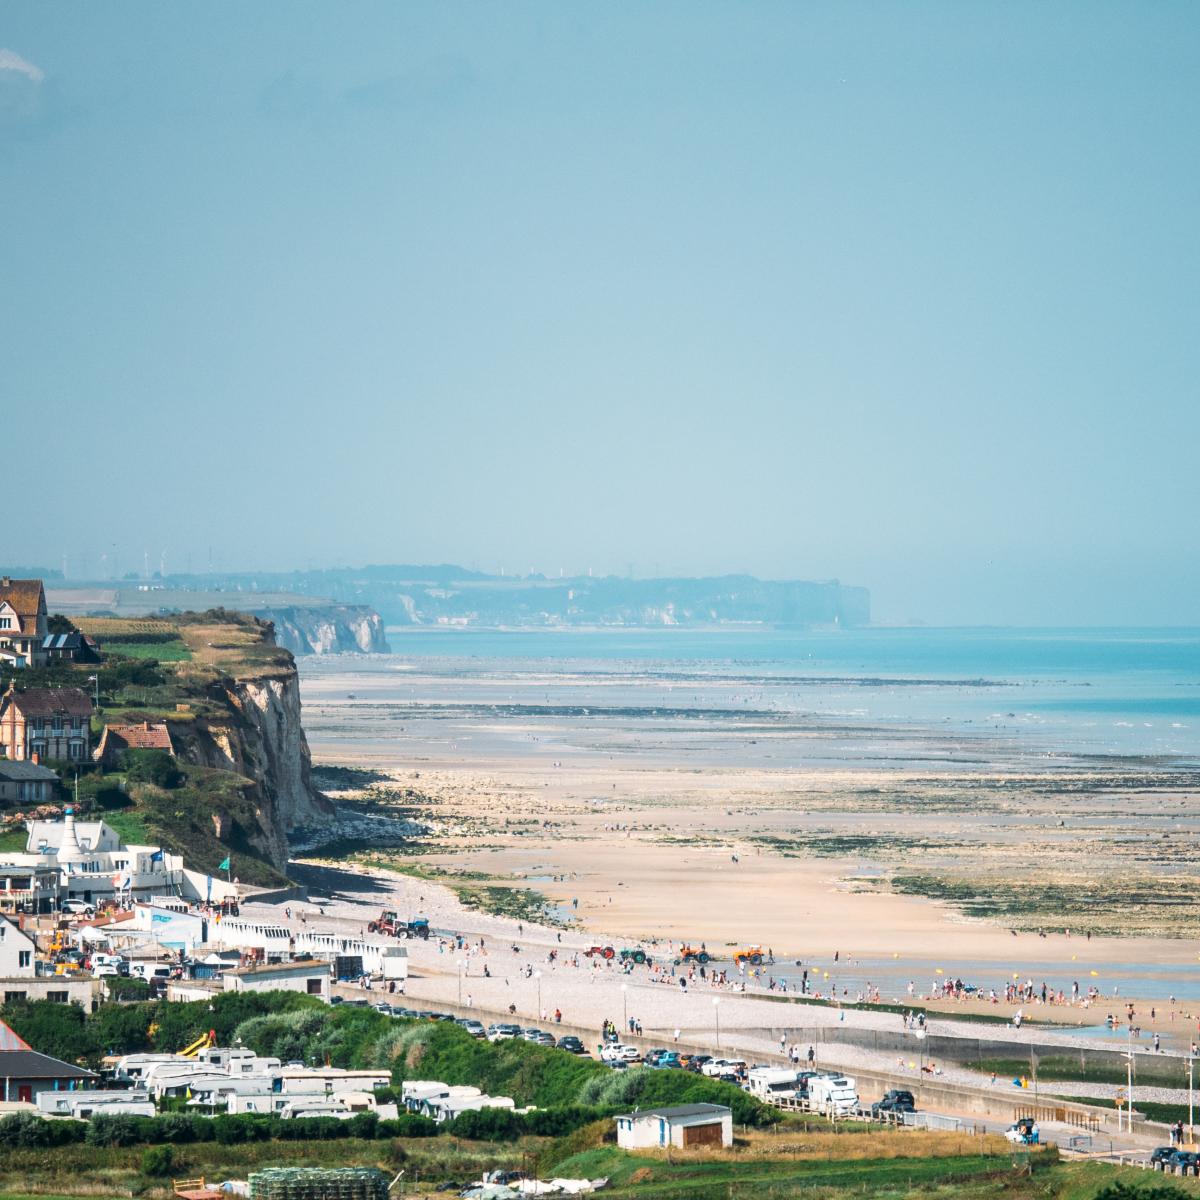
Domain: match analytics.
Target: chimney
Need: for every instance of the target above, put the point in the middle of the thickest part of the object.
(6, 581)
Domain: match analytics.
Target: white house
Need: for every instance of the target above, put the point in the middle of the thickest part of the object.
(16, 952)
(306, 975)
(681, 1125)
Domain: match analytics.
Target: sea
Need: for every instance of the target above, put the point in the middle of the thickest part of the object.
(1106, 692)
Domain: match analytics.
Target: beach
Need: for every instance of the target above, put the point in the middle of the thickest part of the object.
(633, 804)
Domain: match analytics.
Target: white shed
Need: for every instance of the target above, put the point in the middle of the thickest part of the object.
(681, 1126)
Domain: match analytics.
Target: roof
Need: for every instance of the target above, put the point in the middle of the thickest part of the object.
(15, 771)
(308, 964)
(46, 702)
(145, 735)
(679, 1112)
(29, 1064)
(64, 641)
(10, 1040)
(25, 595)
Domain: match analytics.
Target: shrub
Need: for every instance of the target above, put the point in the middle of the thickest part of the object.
(27, 1130)
(118, 1129)
(158, 1160)
(153, 766)
(488, 1125)
(407, 1125)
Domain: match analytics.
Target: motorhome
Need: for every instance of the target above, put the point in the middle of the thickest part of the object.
(775, 1083)
(833, 1095)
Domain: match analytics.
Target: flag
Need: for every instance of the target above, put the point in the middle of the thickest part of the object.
(225, 864)
(157, 856)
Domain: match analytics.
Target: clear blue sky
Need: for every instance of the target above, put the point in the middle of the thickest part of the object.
(903, 294)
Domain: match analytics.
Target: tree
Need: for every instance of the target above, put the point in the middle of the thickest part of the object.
(153, 766)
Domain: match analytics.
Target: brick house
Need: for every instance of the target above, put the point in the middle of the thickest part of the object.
(145, 735)
(23, 629)
(43, 723)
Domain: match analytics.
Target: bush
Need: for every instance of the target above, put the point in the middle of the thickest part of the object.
(118, 1129)
(25, 1130)
(158, 1160)
(488, 1125)
(407, 1125)
(152, 766)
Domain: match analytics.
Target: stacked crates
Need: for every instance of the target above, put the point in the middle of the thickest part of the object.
(319, 1183)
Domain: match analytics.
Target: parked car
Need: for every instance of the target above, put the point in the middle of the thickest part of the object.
(1183, 1162)
(696, 1062)
(473, 1027)
(79, 908)
(897, 1100)
(1023, 1132)
(1160, 1155)
(538, 1036)
(501, 1032)
(571, 1044)
(619, 1052)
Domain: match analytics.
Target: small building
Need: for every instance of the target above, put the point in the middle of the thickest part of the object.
(305, 975)
(145, 735)
(41, 723)
(17, 952)
(23, 621)
(34, 890)
(70, 647)
(681, 1126)
(25, 1074)
(26, 783)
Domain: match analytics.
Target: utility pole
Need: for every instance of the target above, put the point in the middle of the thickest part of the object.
(1191, 1134)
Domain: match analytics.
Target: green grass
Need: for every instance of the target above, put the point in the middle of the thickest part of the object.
(15, 838)
(173, 651)
(129, 825)
(631, 1174)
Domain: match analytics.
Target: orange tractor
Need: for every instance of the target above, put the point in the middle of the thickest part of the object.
(692, 954)
(751, 956)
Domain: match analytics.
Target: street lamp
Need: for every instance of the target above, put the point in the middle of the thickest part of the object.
(538, 976)
(624, 1008)
(458, 962)
(717, 1018)
(1191, 1063)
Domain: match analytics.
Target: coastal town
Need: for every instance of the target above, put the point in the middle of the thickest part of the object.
(93, 921)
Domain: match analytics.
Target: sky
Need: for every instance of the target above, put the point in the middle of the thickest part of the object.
(902, 294)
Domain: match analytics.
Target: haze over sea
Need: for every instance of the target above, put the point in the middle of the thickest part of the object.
(1121, 691)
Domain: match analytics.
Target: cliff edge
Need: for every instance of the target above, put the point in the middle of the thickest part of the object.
(327, 629)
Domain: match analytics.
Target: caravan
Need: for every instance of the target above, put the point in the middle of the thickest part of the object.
(833, 1095)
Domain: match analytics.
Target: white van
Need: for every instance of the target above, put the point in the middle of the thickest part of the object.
(774, 1083)
(833, 1095)
(149, 970)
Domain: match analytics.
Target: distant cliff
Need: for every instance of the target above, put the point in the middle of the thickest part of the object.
(327, 629)
(408, 595)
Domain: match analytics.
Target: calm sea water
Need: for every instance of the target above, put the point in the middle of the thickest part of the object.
(1099, 691)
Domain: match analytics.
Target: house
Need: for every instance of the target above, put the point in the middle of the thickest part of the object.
(681, 1125)
(28, 889)
(145, 735)
(26, 783)
(23, 629)
(305, 975)
(94, 865)
(42, 723)
(25, 1074)
(16, 952)
(70, 647)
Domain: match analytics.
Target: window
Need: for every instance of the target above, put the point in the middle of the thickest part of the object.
(24, 958)
(5, 622)
(58, 997)
(13, 997)
(314, 987)
(56, 724)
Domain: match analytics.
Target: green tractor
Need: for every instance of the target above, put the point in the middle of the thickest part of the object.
(637, 955)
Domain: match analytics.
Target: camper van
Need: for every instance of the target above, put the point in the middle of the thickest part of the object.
(775, 1083)
(833, 1095)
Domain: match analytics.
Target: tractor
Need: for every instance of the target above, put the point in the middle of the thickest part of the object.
(600, 952)
(390, 925)
(636, 955)
(692, 954)
(751, 956)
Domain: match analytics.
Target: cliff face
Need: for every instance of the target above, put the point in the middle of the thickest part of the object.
(254, 730)
(327, 629)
